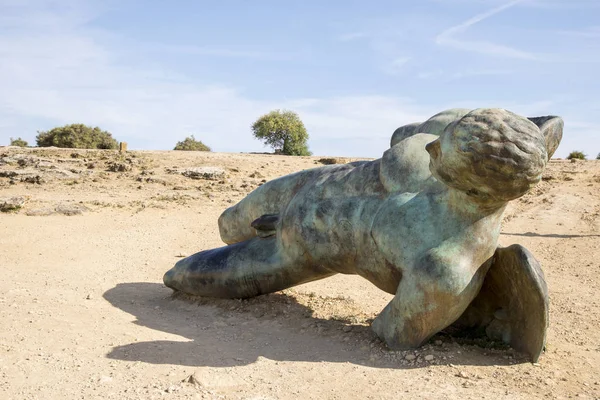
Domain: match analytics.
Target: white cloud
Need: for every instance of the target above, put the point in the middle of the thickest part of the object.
(448, 37)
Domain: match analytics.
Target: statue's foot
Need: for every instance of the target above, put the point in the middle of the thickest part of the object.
(512, 304)
(241, 270)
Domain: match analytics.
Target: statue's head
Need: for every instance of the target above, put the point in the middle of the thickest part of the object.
(490, 154)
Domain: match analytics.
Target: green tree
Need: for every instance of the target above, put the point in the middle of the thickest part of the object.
(578, 155)
(76, 136)
(18, 142)
(191, 144)
(598, 156)
(283, 131)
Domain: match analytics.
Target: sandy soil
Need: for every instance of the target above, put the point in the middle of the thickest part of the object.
(85, 314)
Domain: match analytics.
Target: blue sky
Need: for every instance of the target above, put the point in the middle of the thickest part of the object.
(153, 72)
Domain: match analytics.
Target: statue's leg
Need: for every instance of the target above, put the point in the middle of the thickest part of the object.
(241, 270)
(424, 306)
(270, 198)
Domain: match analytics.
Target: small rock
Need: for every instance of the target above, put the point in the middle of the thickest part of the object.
(438, 342)
(171, 389)
(347, 328)
(192, 379)
(39, 212)
(501, 314)
(114, 166)
(209, 173)
(9, 174)
(429, 357)
(11, 203)
(8, 160)
(462, 374)
(70, 209)
(410, 357)
(88, 297)
(27, 162)
(37, 179)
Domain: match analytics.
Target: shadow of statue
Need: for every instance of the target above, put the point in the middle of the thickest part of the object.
(226, 333)
(548, 235)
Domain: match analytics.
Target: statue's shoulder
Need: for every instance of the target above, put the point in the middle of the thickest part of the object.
(405, 166)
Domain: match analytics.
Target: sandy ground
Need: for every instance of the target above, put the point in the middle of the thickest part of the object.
(84, 313)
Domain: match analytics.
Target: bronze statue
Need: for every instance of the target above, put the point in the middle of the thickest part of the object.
(421, 223)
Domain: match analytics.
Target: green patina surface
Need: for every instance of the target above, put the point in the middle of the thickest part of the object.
(421, 223)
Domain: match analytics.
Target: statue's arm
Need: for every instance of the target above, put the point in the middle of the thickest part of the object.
(431, 295)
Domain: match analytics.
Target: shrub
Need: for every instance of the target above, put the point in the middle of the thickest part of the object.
(283, 131)
(598, 156)
(332, 160)
(76, 136)
(191, 144)
(18, 142)
(576, 155)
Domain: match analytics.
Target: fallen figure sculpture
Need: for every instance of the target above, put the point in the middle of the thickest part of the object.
(421, 223)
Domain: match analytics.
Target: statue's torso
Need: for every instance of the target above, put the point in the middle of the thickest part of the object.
(429, 234)
(381, 235)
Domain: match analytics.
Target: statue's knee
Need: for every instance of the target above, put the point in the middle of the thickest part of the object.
(225, 217)
(445, 276)
(229, 227)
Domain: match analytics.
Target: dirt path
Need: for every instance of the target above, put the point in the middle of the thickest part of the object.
(85, 315)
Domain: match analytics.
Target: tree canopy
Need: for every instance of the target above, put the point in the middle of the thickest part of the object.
(18, 142)
(283, 131)
(578, 155)
(191, 144)
(76, 136)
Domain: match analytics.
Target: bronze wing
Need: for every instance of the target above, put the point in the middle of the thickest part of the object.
(512, 304)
